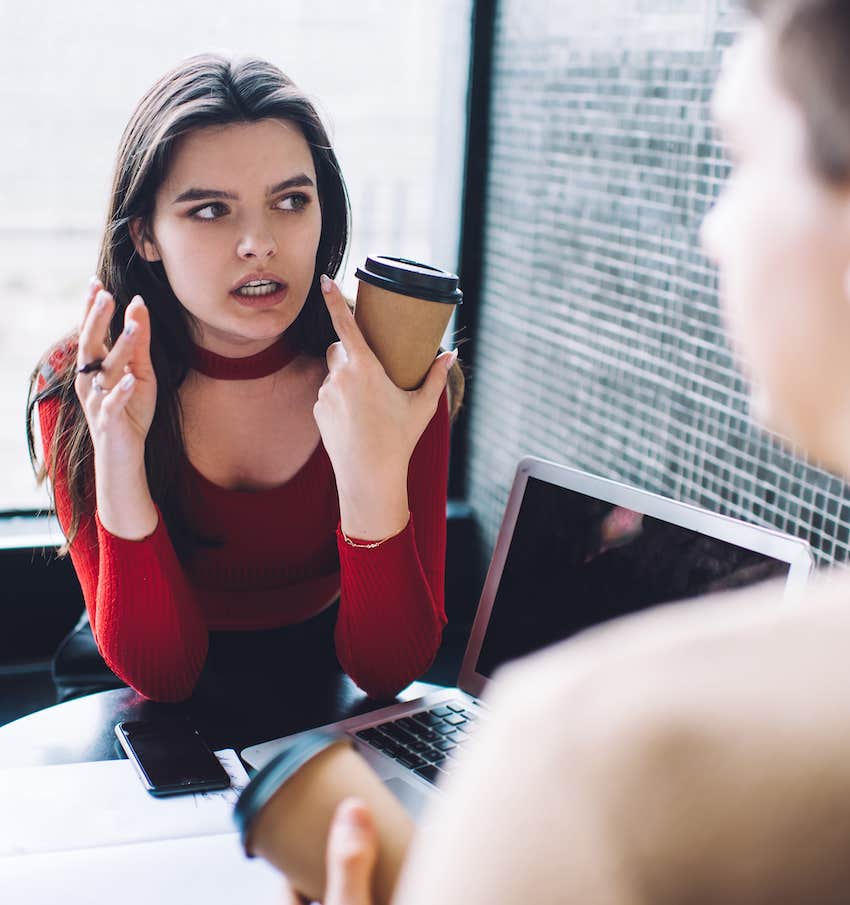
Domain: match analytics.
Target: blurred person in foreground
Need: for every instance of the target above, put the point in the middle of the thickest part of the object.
(698, 753)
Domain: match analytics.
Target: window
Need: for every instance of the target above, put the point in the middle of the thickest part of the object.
(389, 78)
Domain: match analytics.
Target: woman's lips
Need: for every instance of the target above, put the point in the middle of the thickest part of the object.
(261, 301)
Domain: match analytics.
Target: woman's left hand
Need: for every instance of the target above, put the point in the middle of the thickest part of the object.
(369, 426)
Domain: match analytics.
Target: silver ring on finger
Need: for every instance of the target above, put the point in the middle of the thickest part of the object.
(97, 384)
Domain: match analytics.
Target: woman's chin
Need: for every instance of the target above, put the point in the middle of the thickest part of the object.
(237, 332)
(768, 415)
(801, 428)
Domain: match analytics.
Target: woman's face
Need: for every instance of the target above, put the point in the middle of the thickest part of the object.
(239, 205)
(781, 238)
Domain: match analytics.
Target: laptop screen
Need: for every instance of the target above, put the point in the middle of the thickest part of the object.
(575, 561)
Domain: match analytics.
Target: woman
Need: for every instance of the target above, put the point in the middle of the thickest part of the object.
(701, 753)
(226, 453)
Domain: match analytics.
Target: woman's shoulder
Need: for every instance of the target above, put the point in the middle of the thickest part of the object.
(56, 361)
(46, 400)
(54, 364)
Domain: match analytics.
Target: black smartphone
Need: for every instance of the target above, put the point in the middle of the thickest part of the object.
(171, 757)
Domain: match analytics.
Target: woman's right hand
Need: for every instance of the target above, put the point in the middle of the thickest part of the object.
(119, 399)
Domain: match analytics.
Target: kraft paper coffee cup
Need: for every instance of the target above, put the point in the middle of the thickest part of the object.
(403, 308)
(284, 814)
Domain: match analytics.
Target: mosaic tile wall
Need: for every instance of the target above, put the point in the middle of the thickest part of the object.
(599, 343)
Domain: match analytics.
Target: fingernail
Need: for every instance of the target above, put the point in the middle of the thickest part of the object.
(453, 359)
(127, 381)
(327, 282)
(101, 299)
(129, 328)
(93, 281)
(137, 298)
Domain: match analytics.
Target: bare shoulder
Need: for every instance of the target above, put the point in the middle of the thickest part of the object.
(718, 658)
(697, 752)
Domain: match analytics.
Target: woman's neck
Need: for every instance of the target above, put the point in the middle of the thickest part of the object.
(261, 364)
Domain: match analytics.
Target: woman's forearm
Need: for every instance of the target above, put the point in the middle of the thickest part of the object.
(374, 510)
(124, 503)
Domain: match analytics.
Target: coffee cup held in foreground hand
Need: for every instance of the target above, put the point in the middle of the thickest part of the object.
(403, 309)
(284, 814)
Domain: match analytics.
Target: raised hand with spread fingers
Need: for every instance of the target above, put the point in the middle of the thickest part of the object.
(117, 390)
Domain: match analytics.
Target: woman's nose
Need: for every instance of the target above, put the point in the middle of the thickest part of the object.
(257, 241)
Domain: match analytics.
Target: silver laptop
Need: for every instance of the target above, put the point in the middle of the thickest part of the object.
(573, 550)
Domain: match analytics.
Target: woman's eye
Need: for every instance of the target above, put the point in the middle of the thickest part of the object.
(208, 211)
(295, 202)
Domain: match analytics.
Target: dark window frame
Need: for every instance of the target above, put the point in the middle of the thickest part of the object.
(470, 256)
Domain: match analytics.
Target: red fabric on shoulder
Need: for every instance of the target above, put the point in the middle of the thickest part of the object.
(58, 361)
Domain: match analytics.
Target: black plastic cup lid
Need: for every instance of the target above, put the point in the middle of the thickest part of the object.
(411, 278)
(259, 791)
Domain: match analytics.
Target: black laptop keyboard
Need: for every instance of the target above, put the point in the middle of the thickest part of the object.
(425, 742)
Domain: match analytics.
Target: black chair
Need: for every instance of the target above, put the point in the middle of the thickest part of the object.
(78, 668)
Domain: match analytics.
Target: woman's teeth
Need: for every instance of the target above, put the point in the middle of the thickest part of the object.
(258, 287)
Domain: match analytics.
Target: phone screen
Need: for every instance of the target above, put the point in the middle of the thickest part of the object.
(172, 755)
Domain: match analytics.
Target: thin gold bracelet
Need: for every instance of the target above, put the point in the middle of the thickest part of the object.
(373, 544)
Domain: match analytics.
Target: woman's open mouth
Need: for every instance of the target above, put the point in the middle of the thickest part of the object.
(260, 293)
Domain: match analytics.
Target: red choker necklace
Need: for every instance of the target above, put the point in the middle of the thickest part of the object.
(278, 355)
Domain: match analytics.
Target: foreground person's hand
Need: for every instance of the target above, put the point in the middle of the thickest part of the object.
(351, 856)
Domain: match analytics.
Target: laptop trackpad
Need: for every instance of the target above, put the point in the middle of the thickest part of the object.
(412, 799)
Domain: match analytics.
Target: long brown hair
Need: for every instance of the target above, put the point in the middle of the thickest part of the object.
(205, 90)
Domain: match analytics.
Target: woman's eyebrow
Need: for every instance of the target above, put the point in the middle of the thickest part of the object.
(201, 194)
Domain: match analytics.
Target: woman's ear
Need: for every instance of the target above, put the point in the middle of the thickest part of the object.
(143, 241)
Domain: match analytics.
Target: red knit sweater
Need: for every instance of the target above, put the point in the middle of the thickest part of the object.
(282, 560)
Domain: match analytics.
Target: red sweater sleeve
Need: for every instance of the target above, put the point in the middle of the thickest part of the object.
(145, 620)
(392, 609)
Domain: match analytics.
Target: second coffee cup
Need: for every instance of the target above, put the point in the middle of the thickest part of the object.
(403, 308)
(285, 812)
